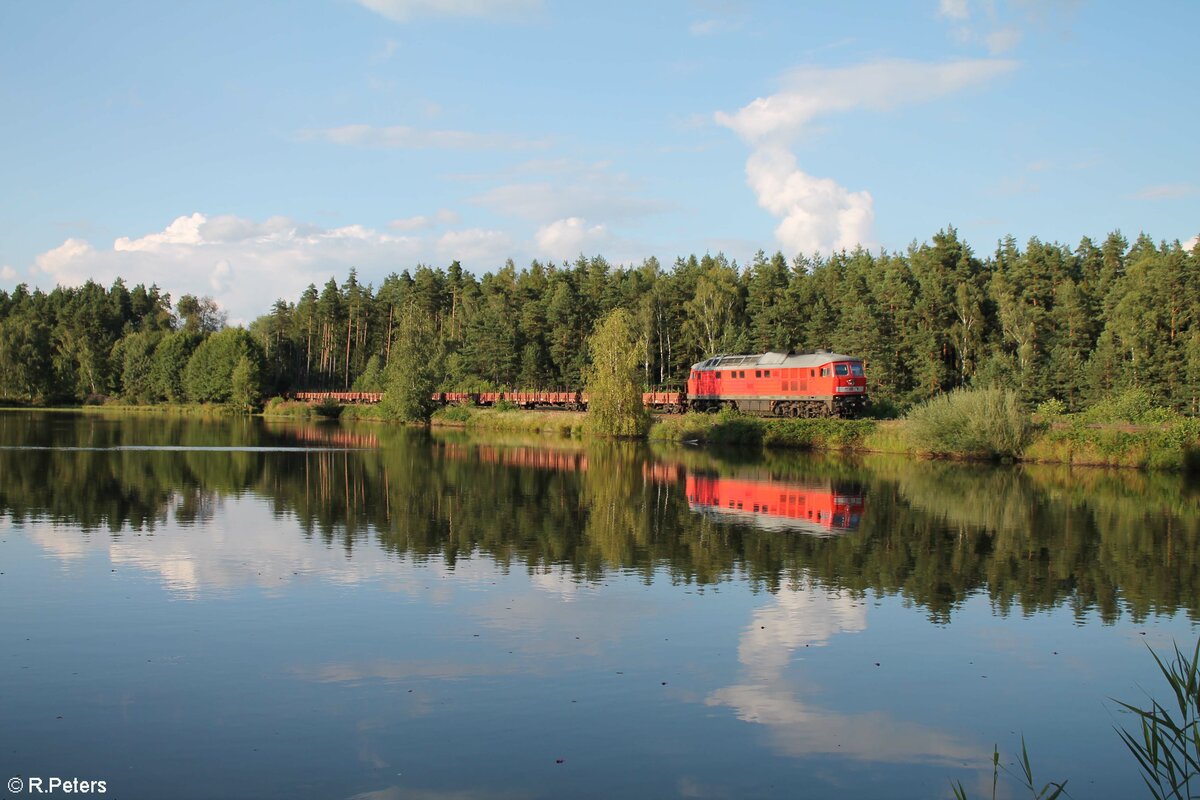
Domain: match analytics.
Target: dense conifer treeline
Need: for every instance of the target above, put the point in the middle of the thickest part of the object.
(1048, 320)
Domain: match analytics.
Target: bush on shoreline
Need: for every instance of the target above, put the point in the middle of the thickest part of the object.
(978, 423)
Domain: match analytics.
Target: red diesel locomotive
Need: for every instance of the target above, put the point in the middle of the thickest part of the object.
(817, 384)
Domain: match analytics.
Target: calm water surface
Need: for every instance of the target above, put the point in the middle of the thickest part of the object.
(241, 608)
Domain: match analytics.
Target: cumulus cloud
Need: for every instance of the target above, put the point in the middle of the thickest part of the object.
(1192, 242)
(244, 263)
(404, 10)
(404, 137)
(564, 239)
(817, 213)
(7, 273)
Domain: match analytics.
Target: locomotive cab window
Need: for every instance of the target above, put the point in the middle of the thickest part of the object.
(758, 373)
(841, 369)
(856, 369)
(766, 373)
(824, 372)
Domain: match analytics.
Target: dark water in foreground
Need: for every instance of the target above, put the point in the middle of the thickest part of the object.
(201, 609)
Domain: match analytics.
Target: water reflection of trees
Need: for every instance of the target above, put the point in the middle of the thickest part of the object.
(934, 533)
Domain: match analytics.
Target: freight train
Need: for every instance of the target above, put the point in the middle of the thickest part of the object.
(772, 384)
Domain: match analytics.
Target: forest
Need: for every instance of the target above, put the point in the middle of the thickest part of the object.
(1048, 320)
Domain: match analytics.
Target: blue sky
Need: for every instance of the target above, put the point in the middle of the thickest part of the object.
(243, 150)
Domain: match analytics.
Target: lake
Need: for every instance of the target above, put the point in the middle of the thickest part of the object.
(200, 608)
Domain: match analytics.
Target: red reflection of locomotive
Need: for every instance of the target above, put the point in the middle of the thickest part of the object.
(819, 510)
(819, 384)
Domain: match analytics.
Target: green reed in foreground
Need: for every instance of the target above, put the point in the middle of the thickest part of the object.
(1167, 747)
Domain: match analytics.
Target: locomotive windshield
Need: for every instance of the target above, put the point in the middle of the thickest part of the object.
(856, 368)
(841, 369)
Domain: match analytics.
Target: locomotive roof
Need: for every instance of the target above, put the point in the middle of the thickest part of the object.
(774, 358)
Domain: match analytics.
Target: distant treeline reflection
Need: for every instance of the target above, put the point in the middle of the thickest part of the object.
(932, 532)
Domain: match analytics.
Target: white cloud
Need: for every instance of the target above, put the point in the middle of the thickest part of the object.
(404, 10)
(811, 92)
(953, 9)
(1002, 40)
(817, 213)
(244, 263)
(1165, 191)
(404, 137)
(1192, 242)
(7, 273)
(809, 617)
(564, 239)
(443, 216)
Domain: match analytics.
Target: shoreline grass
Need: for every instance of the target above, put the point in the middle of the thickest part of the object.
(1091, 439)
(131, 409)
(559, 423)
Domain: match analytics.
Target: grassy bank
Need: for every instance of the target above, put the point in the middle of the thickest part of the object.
(558, 423)
(1171, 446)
(295, 409)
(129, 409)
(1125, 430)
(727, 428)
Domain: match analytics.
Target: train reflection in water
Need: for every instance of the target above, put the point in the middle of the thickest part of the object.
(746, 497)
(775, 505)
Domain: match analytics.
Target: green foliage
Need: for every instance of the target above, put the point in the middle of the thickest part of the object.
(1051, 409)
(1165, 743)
(1049, 791)
(1043, 319)
(971, 422)
(1174, 446)
(208, 377)
(410, 378)
(135, 353)
(371, 379)
(1136, 406)
(245, 384)
(452, 414)
(170, 360)
(613, 382)
(1167, 746)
